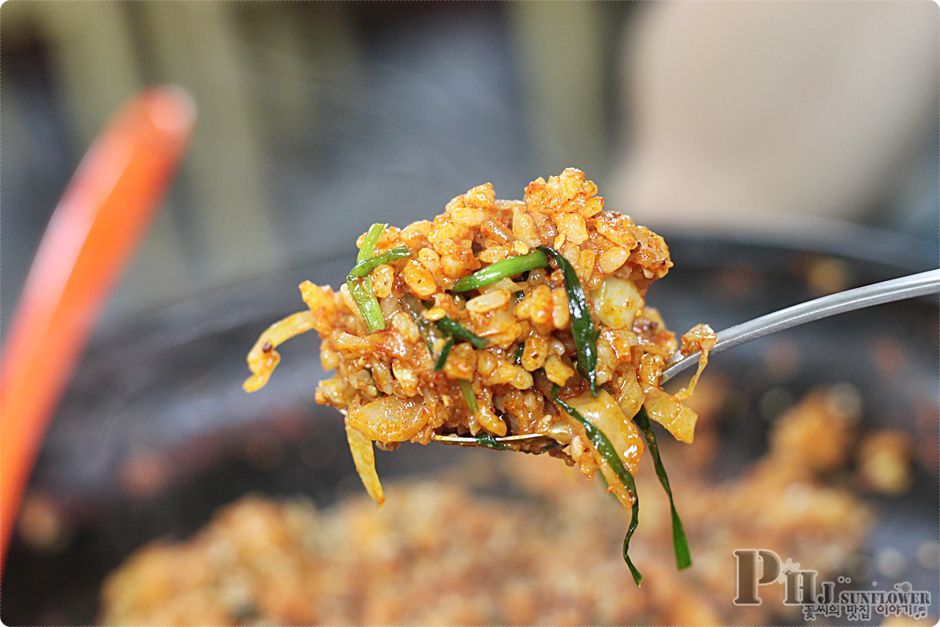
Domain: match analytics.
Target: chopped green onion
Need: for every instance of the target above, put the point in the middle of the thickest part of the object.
(500, 269)
(361, 291)
(442, 358)
(428, 331)
(369, 241)
(433, 332)
(679, 542)
(609, 453)
(366, 266)
(487, 440)
(517, 359)
(582, 326)
(360, 288)
(468, 395)
(450, 327)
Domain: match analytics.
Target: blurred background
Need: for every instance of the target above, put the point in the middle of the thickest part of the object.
(785, 149)
(317, 118)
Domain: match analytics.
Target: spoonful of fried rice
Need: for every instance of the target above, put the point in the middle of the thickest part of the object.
(508, 324)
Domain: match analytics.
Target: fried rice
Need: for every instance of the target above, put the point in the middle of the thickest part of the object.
(501, 317)
(519, 541)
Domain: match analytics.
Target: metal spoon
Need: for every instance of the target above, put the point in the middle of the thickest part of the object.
(902, 288)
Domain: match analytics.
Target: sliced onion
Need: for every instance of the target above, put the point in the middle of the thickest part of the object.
(616, 303)
(390, 418)
(501, 327)
(504, 283)
(630, 396)
(364, 458)
(701, 338)
(603, 412)
(263, 358)
(677, 419)
(389, 306)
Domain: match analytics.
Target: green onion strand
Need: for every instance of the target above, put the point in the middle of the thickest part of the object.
(501, 269)
(445, 351)
(362, 294)
(428, 331)
(603, 446)
(454, 329)
(468, 395)
(360, 288)
(366, 266)
(487, 440)
(679, 541)
(369, 241)
(582, 326)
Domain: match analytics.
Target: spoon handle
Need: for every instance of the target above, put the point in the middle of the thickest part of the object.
(868, 296)
(901, 288)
